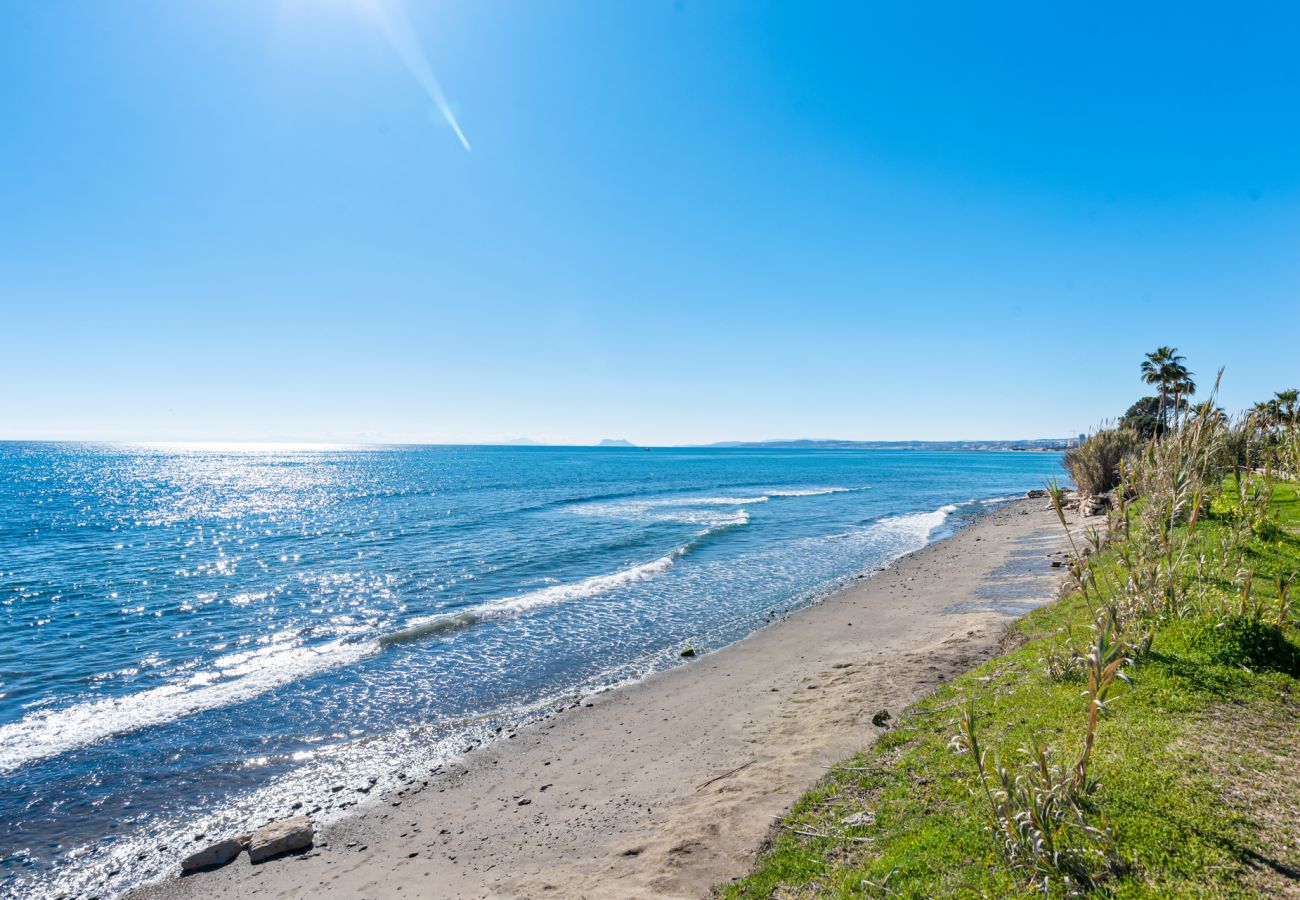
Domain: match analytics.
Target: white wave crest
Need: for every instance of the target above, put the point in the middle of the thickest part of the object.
(921, 525)
(241, 676)
(808, 492)
(994, 501)
(538, 599)
(556, 594)
(684, 509)
(49, 733)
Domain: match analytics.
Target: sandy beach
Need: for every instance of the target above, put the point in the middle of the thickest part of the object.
(667, 788)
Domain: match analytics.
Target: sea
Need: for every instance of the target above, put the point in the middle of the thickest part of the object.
(195, 637)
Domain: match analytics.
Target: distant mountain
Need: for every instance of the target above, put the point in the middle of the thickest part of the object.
(615, 442)
(804, 444)
(520, 442)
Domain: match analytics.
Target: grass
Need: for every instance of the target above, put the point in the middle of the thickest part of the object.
(1196, 762)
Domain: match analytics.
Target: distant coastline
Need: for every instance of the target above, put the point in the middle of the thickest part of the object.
(1039, 444)
(1023, 445)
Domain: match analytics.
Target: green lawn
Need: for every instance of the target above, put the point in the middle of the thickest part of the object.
(1197, 762)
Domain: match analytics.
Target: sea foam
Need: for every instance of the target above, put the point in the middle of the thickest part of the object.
(243, 676)
(52, 732)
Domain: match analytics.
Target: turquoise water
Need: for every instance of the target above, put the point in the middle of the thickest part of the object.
(191, 636)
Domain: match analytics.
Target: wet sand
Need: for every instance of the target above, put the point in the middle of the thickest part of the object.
(666, 788)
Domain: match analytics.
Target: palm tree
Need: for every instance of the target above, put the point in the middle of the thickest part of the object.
(1267, 411)
(1164, 368)
(1286, 403)
(1208, 410)
(1182, 389)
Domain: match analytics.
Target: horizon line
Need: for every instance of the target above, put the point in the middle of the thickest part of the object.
(606, 443)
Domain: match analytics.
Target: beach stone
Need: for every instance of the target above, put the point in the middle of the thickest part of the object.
(280, 837)
(1092, 506)
(212, 856)
(1036, 493)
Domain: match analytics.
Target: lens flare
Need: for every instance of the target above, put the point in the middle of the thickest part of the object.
(390, 18)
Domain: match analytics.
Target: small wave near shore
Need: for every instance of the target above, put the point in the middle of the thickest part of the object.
(49, 733)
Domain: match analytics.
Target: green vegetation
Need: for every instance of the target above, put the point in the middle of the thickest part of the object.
(1094, 465)
(1143, 417)
(1141, 736)
(1163, 367)
(1282, 409)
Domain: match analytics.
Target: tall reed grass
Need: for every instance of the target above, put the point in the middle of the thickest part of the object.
(1163, 489)
(1095, 465)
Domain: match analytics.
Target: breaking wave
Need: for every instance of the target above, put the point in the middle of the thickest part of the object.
(51, 733)
(243, 676)
(809, 492)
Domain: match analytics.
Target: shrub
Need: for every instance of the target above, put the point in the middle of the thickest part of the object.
(1094, 464)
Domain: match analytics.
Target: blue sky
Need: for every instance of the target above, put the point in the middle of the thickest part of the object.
(679, 222)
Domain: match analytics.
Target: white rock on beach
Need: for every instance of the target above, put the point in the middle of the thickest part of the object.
(213, 855)
(280, 837)
(1092, 506)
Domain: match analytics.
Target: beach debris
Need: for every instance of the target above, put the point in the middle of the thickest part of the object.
(1036, 494)
(212, 856)
(280, 837)
(688, 651)
(726, 774)
(859, 819)
(881, 719)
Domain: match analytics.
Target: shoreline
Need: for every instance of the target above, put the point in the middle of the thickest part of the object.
(667, 786)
